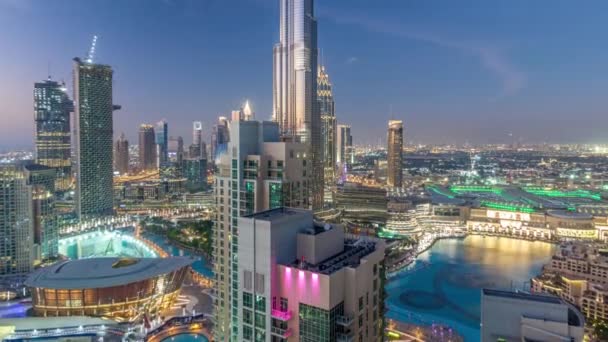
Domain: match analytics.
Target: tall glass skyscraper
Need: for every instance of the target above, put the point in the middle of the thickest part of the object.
(395, 153)
(219, 138)
(52, 108)
(147, 148)
(16, 249)
(295, 105)
(344, 146)
(121, 155)
(162, 144)
(328, 129)
(94, 136)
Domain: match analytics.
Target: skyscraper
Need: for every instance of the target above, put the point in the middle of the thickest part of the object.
(295, 105)
(121, 155)
(16, 249)
(219, 138)
(305, 281)
(41, 180)
(258, 172)
(195, 172)
(94, 138)
(395, 154)
(328, 129)
(162, 144)
(147, 148)
(344, 146)
(197, 137)
(52, 108)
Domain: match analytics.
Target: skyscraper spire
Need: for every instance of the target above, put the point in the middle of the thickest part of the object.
(295, 83)
(248, 113)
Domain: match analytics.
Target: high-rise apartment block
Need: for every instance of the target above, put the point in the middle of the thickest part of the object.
(295, 105)
(328, 131)
(395, 153)
(305, 281)
(345, 153)
(41, 180)
(121, 155)
(93, 111)
(257, 172)
(147, 148)
(16, 226)
(52, 108)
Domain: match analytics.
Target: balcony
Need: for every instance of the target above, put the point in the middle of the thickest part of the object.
(283, 333)
(344, 320)
(281, 315)
(345, 337)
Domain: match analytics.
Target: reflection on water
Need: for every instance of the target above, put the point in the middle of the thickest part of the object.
(186, 338)
(448, 291)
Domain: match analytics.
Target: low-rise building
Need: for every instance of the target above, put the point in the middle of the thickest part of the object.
(515, 316)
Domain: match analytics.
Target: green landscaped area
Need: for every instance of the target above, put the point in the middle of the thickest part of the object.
(196, 234)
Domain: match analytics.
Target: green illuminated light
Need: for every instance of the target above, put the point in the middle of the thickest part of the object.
(560, 193)
(475, 188)
(507, 207)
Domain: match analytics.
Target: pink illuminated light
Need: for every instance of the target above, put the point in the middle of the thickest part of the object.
(288, 270)
(315, 277)
(301, 274)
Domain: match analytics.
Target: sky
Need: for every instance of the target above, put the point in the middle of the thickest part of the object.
(472, 71)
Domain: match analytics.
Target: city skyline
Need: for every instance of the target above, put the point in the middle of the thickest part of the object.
(476, 78)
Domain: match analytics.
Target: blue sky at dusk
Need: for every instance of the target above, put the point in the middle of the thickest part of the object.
(454, 71)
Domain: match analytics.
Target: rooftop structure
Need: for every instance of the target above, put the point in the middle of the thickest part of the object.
(307, 281)
(516, 316)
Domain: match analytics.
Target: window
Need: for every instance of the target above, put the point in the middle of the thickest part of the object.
(247, 300)
(247, 316)
(317, 324)
(260, 320)
(260, 303)
(360, 303)
(247, 333)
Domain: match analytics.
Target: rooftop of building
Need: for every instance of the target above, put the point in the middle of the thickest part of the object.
(103, 272)
(354, 251)
(515, 198)
(570, 215)
(37, 167)
(522, 296)
(277, 213)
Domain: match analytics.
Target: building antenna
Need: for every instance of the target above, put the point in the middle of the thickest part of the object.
(390, 110)
(48, 69)
(92, 50)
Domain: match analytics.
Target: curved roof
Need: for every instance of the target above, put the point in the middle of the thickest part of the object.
(103, 272)
(570, 215)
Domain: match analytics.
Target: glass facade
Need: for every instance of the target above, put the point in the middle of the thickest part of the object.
(52, 109)
(275, 195)
(319, 325)
(94, 136)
